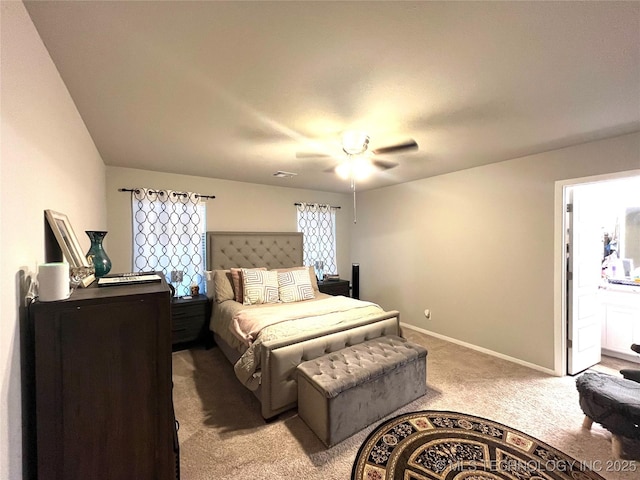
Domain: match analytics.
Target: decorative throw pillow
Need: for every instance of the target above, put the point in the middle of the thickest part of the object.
(310, 269)
(222, 286)
(314, 279)
(259, 286)
(236, 280)
(208, 275)
(295, 286)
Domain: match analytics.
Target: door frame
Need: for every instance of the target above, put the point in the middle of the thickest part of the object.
(560, 262)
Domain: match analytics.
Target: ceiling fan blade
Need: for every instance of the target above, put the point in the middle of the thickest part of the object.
(379, 164)
(408, 145)
(384, 165)
(312, 155)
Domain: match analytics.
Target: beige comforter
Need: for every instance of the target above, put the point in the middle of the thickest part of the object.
(248, 323)
(274, 321)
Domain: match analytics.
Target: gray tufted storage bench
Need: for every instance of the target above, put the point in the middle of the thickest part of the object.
(343, 392)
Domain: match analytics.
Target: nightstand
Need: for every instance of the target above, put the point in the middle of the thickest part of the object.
(188, 318)
(334, 287)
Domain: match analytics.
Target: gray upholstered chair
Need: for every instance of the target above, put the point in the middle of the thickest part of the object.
(613, 402)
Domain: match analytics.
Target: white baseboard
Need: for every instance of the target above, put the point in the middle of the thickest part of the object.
(481, 349)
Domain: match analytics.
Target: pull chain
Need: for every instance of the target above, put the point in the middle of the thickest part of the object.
(353, 189)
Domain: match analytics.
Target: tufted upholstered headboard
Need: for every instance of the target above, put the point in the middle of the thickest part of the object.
(253, 249)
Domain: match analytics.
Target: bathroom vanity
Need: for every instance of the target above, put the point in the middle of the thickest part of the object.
(620, 320)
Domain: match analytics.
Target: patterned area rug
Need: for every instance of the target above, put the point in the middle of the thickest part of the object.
(446, 446)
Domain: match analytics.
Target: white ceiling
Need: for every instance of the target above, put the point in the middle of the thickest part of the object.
(233, 90)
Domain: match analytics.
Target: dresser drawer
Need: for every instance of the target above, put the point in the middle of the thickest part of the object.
(336, 287)
(187, 311)
(186, 330)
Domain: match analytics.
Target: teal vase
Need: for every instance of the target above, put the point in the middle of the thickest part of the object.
(96, 254)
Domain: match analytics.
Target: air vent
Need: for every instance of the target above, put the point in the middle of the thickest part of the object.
(281, 174)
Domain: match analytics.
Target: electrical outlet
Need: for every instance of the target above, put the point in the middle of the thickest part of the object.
(427, 313)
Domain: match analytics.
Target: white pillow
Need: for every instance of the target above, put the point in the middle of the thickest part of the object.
(295, 285)
(259, 286)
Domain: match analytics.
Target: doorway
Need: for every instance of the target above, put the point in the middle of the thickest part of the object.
(577, 315)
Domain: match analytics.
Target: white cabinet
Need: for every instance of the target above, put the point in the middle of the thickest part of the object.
(621, 323)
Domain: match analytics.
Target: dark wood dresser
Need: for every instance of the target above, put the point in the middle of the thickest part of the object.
(102, 373)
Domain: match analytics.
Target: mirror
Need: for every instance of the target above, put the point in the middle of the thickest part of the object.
(630, 245)
(620, 214)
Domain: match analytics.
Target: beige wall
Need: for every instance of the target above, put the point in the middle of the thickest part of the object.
(477, 247)
(48, 161)
(237, 207)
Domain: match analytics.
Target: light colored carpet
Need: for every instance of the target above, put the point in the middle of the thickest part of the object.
(223, 436)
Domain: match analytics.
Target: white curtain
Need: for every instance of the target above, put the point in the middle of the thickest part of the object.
(168, 235)
(318, 224)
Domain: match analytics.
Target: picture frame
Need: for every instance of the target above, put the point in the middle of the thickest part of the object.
(68, 242)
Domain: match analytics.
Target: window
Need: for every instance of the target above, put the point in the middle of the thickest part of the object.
(318, 224)
(169, 230)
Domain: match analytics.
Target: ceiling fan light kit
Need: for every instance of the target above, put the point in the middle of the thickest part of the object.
(359, 168)
(354, 142)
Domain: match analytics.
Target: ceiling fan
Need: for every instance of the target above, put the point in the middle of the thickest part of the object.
(357, 165)
(356, 144)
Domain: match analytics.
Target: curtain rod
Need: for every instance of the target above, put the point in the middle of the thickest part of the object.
(298, 204)
(183, 194)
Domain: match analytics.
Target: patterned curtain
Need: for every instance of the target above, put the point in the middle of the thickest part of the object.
(318, 224)
(168, 232)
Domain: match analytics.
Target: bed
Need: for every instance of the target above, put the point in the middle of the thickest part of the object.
(288, 333)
